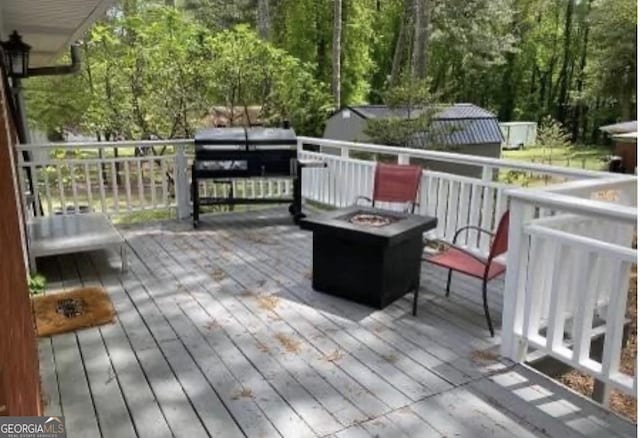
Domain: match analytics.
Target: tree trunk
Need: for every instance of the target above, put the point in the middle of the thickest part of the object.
(337, 52)
(401, 42)
(628, 87)
(508, 89)
(625, 101)
(579, 110)
(422, 16)
(564, 71)
(264, 22)
(321, 46)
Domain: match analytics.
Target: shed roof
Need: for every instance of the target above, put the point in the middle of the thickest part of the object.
(627, 137)
(620, 128)
(458, 124)
(455, 111)
(451, 132)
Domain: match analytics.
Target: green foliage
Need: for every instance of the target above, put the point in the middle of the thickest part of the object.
(552, 135)
(518, 178)
(358, 31)
(612, 70)
(37, 284)
(469, 42)
(152, 70)
(414, 107)
(256, 73)
(156, 73)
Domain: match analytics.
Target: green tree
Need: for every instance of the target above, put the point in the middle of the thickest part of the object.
(413, 106)
(155, 73)
(612, 67)
(552, 136)
(153, 67)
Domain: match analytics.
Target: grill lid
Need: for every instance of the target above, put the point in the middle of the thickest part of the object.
(245, 137)
(271, 137)
(221, 136)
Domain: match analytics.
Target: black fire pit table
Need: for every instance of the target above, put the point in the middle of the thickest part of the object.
(367, 255)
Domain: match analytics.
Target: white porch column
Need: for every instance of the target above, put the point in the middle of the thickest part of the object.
(513, 346)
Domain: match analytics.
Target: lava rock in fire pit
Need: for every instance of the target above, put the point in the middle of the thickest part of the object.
(372, 220)
(70, 307)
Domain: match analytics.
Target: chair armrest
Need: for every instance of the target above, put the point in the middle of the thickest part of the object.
(471, 227)
(462, 250)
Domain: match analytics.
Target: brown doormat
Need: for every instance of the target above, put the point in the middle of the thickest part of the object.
(67, 311)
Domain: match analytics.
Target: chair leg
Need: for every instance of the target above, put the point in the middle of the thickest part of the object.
(486, 307)
(415, 301)
(449, 282)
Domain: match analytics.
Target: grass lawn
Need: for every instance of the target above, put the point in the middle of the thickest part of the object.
(585, 157)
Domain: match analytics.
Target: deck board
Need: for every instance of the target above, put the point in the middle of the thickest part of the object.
(218, 333)
(251, 380)
(372, 374)
(356, 330)
(75, 395)
(272, 328)
(113, 413)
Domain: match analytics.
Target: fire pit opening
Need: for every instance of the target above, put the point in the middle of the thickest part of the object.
(70, 307)
(376, 220)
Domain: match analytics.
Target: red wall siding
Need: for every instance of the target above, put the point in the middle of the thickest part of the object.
(19, 373)
(629, 154)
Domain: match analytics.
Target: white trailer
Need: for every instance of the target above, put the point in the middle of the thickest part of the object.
(518, 135)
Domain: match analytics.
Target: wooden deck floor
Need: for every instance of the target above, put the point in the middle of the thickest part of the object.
(218, 333)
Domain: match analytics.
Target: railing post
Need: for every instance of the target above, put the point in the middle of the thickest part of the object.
(344, 152)
(403, 158)
(182, 184)
(487, 173)
(513, 345)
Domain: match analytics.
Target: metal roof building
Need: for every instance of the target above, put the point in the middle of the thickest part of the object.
(463, 128)
(459, 124)
(620, 128)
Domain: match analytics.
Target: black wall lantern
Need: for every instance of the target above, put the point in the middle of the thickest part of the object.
(16, 55)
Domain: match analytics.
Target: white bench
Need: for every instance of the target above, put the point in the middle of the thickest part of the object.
(64, 234)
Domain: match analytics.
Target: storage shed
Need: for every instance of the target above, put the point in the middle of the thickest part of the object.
(463, 128)
(625, 137)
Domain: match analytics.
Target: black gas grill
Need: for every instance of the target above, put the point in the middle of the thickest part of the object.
(223, 154)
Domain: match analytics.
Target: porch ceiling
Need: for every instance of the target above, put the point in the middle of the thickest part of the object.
(49, 26)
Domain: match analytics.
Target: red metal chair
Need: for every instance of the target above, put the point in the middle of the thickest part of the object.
(395, 183)
(460, 260)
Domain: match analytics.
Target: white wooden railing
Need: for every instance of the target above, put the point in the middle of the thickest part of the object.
(123, 177)
(454, 199)
(570, 240)
(568, 272)
(570, 244)
(112, 177)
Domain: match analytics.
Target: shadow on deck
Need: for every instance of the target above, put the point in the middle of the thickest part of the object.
(219, 333)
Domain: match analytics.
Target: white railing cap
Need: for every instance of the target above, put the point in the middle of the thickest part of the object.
(104, 144)
(451, 157)
(615, 180)
(574, 204)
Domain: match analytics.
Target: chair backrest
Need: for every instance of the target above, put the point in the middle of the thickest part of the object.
(396, 182)
(500, 242)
